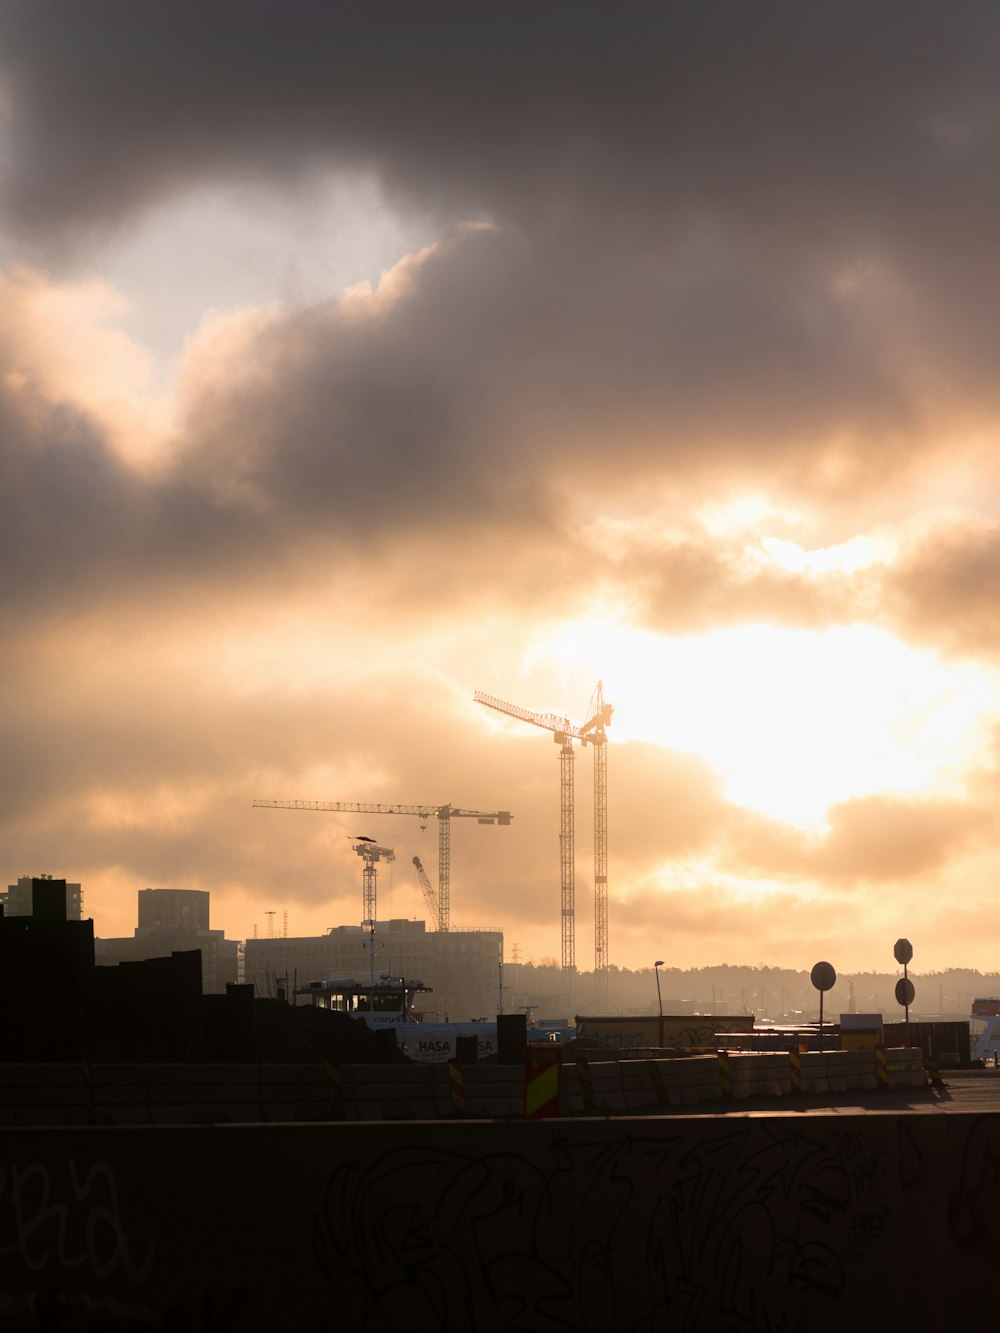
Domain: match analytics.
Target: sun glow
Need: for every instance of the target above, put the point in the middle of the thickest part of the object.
(793, 721)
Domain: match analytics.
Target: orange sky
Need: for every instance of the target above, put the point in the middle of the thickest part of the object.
(379, 357)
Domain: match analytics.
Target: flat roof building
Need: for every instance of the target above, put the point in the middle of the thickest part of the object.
(181, 909)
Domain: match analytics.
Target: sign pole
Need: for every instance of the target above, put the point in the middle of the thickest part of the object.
(902, 951)
(824, 978)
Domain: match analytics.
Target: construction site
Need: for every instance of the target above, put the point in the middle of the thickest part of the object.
(466, 964)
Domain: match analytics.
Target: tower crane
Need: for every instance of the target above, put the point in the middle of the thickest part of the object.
(444, 815)
(430, 897)
(592, 732)
(371, 853)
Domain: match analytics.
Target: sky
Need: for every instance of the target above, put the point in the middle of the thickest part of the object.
(357, 357)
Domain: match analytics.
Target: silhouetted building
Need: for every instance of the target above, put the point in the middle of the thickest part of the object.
(18, 900)
(46, 967)
(175, 921)
(462, 966)
(57, 1006)
(149, 1010)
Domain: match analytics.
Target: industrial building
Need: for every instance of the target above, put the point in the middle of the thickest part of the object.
(462, 966)
(175, 921)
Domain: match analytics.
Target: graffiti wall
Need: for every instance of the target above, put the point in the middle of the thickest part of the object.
(702, 1224)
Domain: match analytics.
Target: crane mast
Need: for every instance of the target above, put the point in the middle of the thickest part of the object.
(593, 733)
(444, 814)
(371, 854)
(567, 867)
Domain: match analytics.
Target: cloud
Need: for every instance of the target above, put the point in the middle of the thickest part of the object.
(878, 838)
(695, 580)
(871, 840)
(716, 241)
(944, 589)
(525, 109)
(661, 803)
(675, 261)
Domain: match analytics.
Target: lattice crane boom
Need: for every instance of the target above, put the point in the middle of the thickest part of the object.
(430, 897)
(444, 814)
(550, 721)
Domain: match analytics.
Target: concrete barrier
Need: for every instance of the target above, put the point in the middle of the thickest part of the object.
(605, 1077)
(126, 1094)
(377, 1092)
(496, 1091)
(202, 1094)
(121, 1094)
(906, 1067)
(693, 1079)
(48, 1094)
(765, 1075)
(637, 1089)
(293, 1092)
(836, 1071)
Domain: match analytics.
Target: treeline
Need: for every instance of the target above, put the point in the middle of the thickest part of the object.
(767, 992)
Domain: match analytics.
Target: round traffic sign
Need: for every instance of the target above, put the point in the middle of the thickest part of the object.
(904, 991)
(902, 951)
(823, 977)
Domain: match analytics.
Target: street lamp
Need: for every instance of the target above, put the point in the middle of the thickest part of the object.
(659, 998)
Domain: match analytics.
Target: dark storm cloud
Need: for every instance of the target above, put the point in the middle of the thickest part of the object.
(466, 406)
(727, 242)
(519, 108)
(76, 521)
(61, 495)
(350, 435)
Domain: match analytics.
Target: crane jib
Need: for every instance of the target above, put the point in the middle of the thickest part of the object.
(366, 849)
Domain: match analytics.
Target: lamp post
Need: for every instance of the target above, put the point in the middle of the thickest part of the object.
(659, 998)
